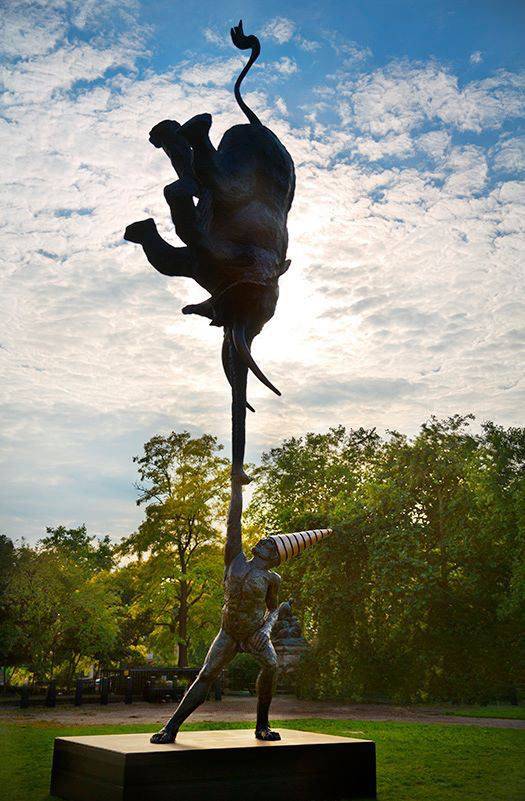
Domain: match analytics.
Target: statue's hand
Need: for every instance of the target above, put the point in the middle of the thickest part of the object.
(260, 638)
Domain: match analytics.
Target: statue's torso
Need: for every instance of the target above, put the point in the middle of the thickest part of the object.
(245, 591)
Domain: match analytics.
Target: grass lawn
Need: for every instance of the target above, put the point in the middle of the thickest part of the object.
(415, 762)
(503, 711)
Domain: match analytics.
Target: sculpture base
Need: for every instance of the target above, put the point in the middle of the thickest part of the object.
(220, 765)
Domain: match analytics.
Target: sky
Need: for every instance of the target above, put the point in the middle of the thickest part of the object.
(404, 298)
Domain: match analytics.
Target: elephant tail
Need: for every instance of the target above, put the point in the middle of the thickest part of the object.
(252, 43)
(242, 348)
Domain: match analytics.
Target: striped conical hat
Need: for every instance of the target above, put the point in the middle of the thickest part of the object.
(289, 545)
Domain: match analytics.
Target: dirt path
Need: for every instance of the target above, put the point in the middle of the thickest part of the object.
(233, 708)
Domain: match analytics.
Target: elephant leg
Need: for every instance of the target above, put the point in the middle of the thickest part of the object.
(239, 378)
(204, 309)
(166, 135)
(196, 132)
(179, 197)
(208, 164)
(163, 256)
(194, 157)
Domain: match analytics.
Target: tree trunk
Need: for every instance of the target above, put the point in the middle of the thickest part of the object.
(182, 623)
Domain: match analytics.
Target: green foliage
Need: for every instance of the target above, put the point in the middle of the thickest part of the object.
(59, 612)
(92, 554)
(8, 632)
(419, 594)
(178, 561)
(243, 672)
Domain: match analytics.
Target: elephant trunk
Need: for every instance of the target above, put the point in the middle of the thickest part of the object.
(238, 376)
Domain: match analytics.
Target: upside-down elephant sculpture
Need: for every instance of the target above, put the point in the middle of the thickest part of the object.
(235, 235)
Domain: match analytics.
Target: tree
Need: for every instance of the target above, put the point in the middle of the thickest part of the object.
(61, 614)
(91, 553)
(183, 485)
(419, 594)
(8, 631)
(313, 482)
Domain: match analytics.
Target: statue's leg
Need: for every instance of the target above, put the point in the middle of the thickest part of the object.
(205, 158)
(221, 652)
(163, 256)
(265, 690)
(238, 373)
(166, 135)
(210, 169)
(179, 197)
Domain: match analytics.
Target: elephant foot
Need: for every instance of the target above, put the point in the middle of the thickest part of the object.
(267, 734)
(204, 309)
(139, 231)
(163, 131)
(184, 187)
(196, 129)
(163, 737)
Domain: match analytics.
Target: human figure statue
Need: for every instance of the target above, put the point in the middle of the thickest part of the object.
(235, 236)
(249, 613)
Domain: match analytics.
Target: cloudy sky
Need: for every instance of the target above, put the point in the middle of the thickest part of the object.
(405, 294)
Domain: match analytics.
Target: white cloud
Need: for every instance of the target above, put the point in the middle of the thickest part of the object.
(22, 35)
(404, 95)
(280, 29)
(351, 54)
(283, 30)
(36, 79)
(509, 155)
(476, 57)
(435, 143)
(403, 298)
(215, 38)
(309, 45)
(214, 72)
(400, 145)
(285, 66)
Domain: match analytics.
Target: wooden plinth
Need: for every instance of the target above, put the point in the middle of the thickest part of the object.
(213, 766)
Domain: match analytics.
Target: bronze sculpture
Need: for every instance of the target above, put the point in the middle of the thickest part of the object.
(236, 236)
(249, 613)
(235, 247)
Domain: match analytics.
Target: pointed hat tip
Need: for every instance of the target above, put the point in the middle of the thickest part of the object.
(289, 545)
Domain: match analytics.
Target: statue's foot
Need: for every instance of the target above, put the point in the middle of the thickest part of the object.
(197, 128)
(184, 187)
(163, 737)
(267, 734)
(163, 131)
(139, 231)
(241, 475)
(204, 309)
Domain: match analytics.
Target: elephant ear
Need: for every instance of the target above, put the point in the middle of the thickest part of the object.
(284, 266)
